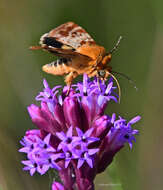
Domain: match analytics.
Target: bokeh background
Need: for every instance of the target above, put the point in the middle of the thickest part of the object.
(140, 56)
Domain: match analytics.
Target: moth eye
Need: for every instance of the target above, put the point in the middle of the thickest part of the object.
(102, 73)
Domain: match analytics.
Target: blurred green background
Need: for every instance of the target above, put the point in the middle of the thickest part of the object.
(140, 56)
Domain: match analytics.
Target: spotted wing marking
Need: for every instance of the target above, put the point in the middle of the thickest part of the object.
(71, 34)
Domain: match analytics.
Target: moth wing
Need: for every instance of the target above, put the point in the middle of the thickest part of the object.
(60, 47)
(65, 52)
(71, 34)
(61, 52)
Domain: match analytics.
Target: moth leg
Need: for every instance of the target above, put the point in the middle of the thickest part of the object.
(98, 83)
(69, 78)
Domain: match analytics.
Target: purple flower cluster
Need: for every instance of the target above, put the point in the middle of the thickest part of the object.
(74, 135)
(40, 153)
(76, 147)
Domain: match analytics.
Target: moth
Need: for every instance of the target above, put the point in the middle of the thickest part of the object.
(78, 53)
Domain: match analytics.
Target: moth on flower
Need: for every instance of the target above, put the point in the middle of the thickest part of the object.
(78, 53)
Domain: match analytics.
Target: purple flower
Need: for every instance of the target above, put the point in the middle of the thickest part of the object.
(99, 88)
(48, 95)
(76, 147)
(66, 139)
(29, 140)
(74, 136)
(94, 97)
(67, 154)
(85, 155)
(116, 138)
(84, 139)
(30, 165)
(39, 152)
(123, 132)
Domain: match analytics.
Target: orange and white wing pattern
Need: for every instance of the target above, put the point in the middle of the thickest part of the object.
(65, 40)
(71, 34)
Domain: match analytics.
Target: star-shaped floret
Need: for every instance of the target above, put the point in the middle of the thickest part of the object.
(28, 145)
(123, 130)
(48, 95)
(66, 139)
(67, 154)
(85, 155)
(84, 139)
(30, 165)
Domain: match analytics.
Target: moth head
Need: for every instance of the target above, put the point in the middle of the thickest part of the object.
(103, 74)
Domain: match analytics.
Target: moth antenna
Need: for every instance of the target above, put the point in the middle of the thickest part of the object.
(116, 45)
(119, 88)
(128, 78)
